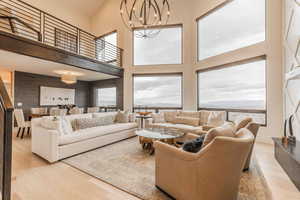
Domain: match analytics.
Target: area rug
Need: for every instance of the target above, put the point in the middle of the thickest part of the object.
(126, 166)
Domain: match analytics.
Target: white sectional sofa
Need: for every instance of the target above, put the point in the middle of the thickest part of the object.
(54, 144)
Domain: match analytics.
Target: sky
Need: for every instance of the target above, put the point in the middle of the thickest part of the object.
(164, 48)
(159, 91)
(238, 24)
(107, 96)
(239, 87)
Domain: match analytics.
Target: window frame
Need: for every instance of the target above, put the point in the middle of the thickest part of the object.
(215, 9)
(180, 25)
(162, 75)
(227, 110)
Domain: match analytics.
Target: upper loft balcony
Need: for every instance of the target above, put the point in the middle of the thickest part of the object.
(30, 31)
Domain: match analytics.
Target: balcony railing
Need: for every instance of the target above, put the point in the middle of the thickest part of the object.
(155, 109)
(258, 116)
(24, 20)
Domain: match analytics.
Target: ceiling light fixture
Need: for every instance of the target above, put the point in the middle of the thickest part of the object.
(68, 77)
(145, 16)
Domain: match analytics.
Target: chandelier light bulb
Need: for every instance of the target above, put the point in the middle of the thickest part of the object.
(139, 15)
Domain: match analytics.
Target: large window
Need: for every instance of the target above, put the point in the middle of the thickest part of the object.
(107, 97)
(158, 91)
(239, 87)
(164, 48)
(237, 24)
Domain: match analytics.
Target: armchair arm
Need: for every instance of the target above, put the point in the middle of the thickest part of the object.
(173, 152)
(207, 127)
(45, 142)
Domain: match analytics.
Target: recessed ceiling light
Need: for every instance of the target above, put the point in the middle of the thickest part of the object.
(66, 72)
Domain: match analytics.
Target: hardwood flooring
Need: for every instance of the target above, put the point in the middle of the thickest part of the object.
(35, 179)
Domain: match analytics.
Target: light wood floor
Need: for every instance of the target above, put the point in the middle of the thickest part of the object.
(35, 179)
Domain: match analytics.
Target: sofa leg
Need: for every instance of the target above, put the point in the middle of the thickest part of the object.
(246, 169)
(19, 131)
(23, 131)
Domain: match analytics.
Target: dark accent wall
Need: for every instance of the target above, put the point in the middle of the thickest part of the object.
(27, 90)
(118, 83)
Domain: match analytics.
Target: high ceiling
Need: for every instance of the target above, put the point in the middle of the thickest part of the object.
(86, 7)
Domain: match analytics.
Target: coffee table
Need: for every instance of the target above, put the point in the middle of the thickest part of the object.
(149, 135)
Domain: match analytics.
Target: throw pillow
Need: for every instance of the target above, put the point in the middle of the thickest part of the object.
(215, 119)
(122, 117)
(204, 114)
(242, 123)
(193, 146)
(66, 126)
(62, 125)
(170, 116)
(158, 118)
(227, 130)
(50, 123)
(93, 122)
(187, 121)
(192, 114)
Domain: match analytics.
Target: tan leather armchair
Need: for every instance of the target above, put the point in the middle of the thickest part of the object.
(212, 174)
(253, 127)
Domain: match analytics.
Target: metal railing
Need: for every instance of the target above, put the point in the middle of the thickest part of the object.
(258, 116)
(155, 109)
(6, 128)
(24, 20)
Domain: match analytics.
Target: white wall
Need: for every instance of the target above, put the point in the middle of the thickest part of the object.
(292, 91)
(184, 12)
(63, 10)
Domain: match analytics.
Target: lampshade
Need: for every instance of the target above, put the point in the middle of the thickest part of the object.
(68, 79)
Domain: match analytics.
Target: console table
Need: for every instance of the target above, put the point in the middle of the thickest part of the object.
(288, 157)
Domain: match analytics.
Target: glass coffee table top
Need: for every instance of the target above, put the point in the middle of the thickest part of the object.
(159, 133)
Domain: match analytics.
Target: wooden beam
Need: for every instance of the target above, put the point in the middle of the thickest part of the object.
(24, 46)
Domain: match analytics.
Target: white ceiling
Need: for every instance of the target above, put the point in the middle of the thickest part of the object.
(16, 62)
(86, 7)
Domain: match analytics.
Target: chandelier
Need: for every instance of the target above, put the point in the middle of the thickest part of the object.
(144, 17)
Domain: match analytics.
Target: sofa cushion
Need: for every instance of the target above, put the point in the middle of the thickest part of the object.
(227, 130)
(192, 114)
(103, 114)
(204, 114)
(158, 118)
(215, 119)
(93, 122)
(71, 118)
(187, 121)
(122, 117)
(89, 133)
(170, 116)
(242, 123)
(62, 125)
